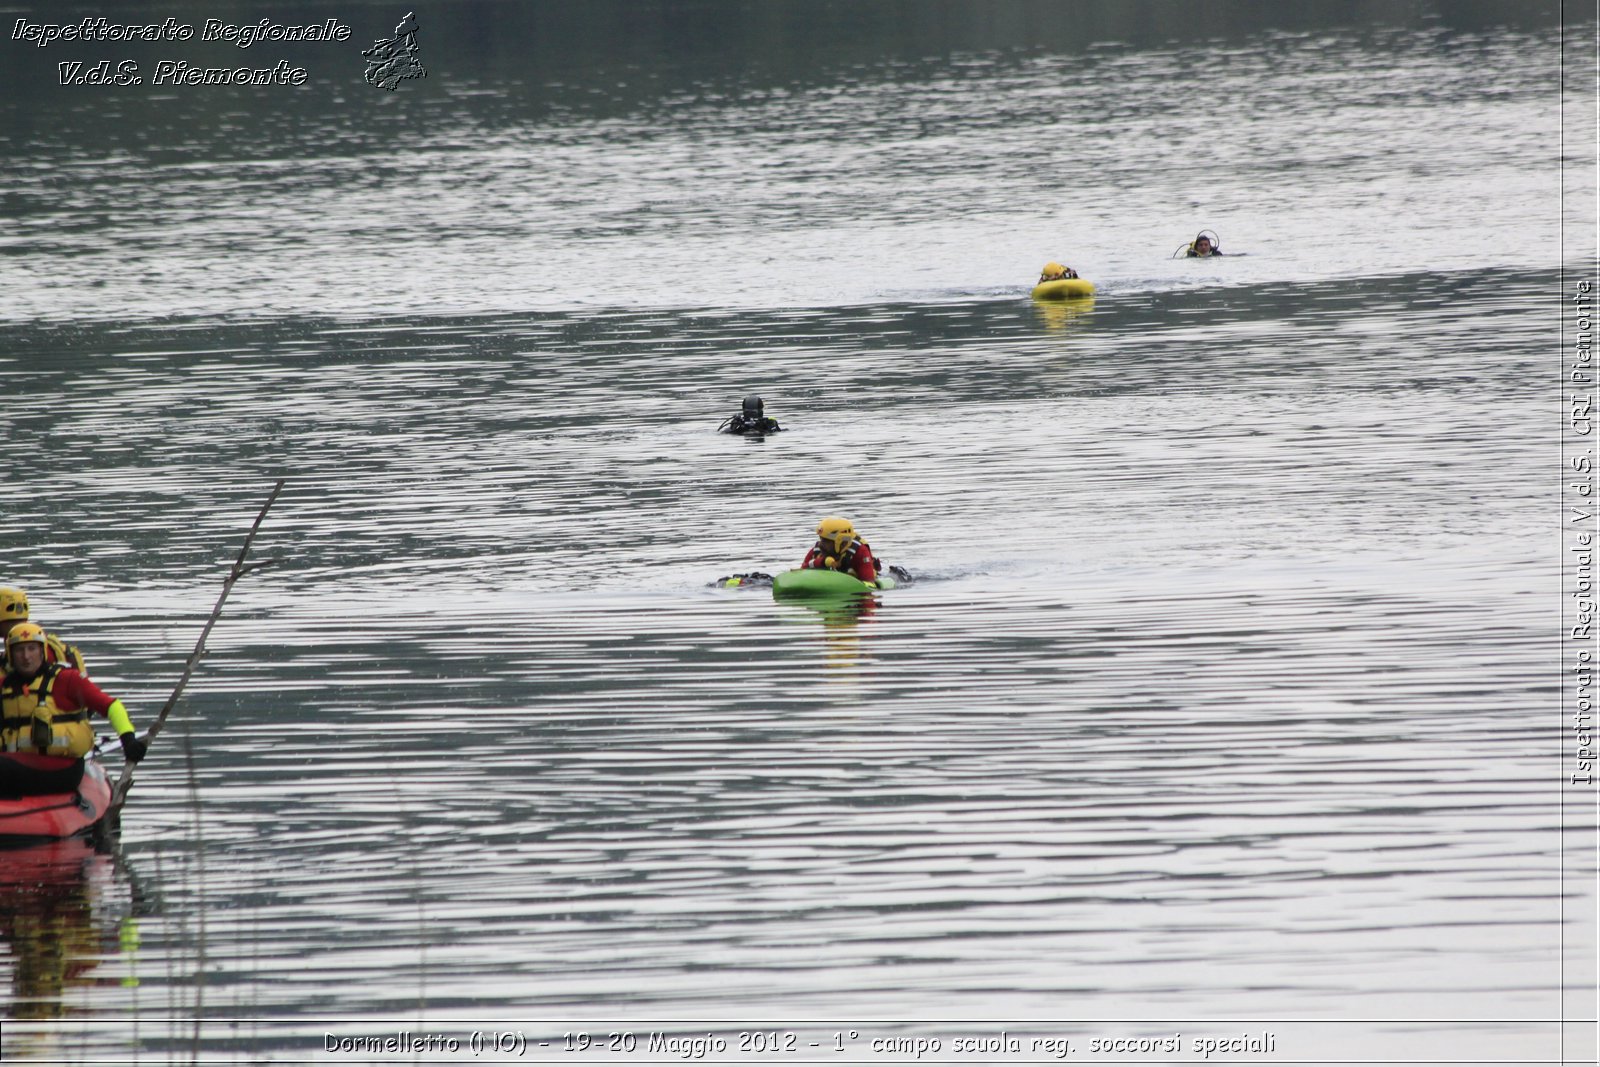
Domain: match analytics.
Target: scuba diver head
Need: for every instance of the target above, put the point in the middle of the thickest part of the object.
(1205, 243)
(752, 408)
(836, 533)
(25, 649)
(1052, 271)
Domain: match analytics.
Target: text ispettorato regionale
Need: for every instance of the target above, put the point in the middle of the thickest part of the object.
(99, 29)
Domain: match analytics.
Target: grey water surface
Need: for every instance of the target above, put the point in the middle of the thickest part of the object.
(1226, 694)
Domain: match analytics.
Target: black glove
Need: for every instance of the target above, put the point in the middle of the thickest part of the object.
(133, 749)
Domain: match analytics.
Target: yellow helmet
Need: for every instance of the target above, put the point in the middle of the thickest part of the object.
(1052, 270)
(22, 633)
(13, 604)
(838, 531)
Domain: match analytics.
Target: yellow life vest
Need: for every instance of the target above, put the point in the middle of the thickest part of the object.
(30, 720)
(846, 560)
(64, 654)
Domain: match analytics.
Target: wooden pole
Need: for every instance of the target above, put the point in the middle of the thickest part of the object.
(240, 569)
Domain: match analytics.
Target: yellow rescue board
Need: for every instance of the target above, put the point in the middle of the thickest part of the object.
(1063, 289)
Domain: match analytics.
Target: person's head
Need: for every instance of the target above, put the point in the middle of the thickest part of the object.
(836, 532)
(752, 407)
(13, 608)
(1202, 244)
(1052, 271)
(25, 648)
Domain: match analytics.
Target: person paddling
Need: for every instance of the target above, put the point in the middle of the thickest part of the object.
(44, 706)
(839, 548)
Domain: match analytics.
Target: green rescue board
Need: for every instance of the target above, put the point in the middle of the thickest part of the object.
(818, 582)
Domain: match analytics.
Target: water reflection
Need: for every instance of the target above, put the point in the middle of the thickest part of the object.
(1057, 315)
(842, 640)
(63, 915)
(832, 611)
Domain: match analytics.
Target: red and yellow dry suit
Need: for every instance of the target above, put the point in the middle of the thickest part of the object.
(856, 560)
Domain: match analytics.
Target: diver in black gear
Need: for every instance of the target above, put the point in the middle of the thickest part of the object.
(749, 580)
(750, 420)
(1205, 245)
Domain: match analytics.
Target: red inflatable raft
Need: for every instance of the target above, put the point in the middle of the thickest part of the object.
(43, 797)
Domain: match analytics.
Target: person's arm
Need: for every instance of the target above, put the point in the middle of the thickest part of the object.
(74, 687)
(864, 568)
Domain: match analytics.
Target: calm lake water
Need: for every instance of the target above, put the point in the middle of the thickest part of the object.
(1224, 703)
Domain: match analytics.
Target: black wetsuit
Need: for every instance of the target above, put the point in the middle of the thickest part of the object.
(742, 424)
